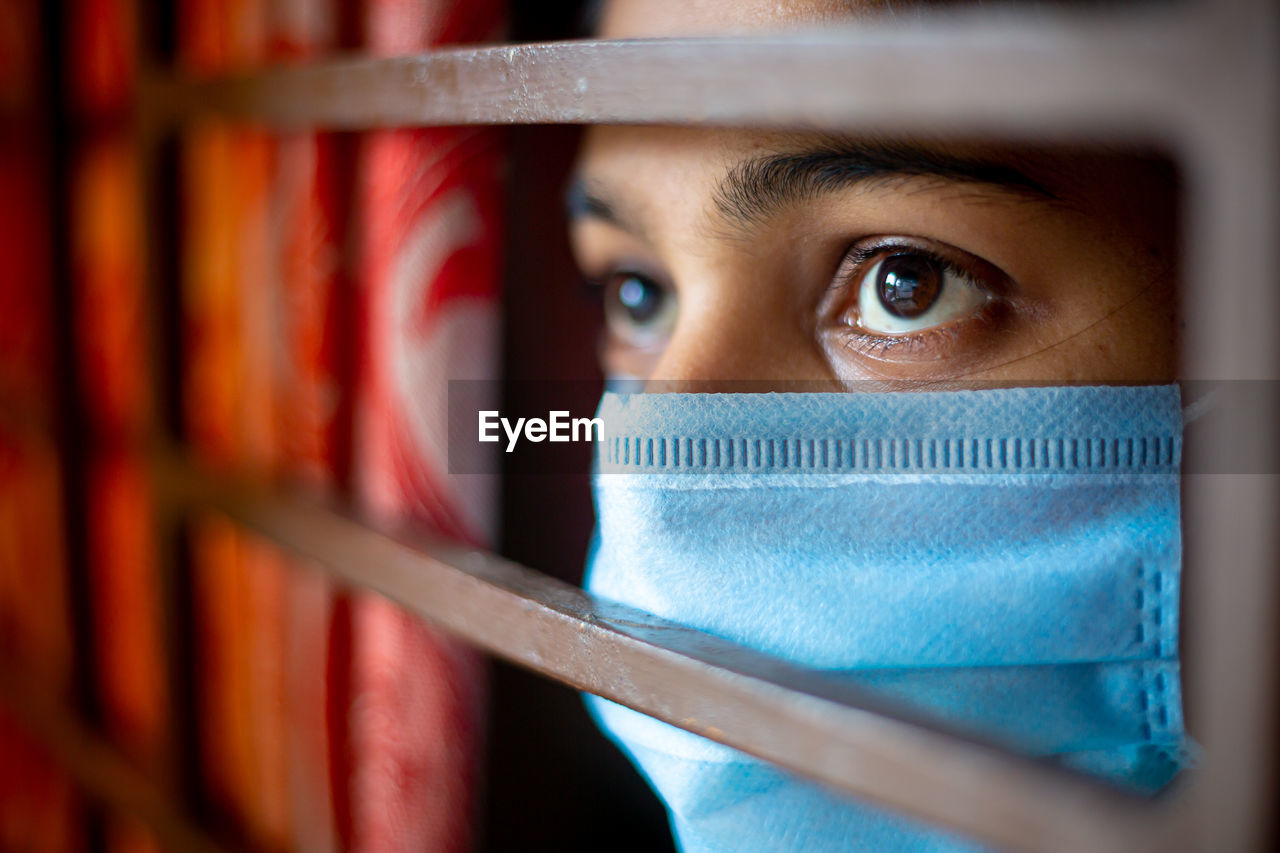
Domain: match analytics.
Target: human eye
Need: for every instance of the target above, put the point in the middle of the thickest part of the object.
(639, 311)
(908, 298)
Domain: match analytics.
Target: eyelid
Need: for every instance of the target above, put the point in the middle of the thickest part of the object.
(867, 250)
(597, 275)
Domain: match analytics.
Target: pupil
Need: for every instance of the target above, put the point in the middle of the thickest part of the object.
(909, 284)
(640, 298)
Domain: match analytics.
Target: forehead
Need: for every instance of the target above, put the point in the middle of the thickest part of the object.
(656, 18)
(667, 167)
(1133, 190)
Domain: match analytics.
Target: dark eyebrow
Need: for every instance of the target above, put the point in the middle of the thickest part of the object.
(757, 188)
(580, 202)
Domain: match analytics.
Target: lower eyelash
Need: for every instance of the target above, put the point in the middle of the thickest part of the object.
(866, 344)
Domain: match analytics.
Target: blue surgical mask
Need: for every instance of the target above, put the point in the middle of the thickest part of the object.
(1006, 559)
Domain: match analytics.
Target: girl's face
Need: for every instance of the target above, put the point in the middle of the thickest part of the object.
(768, 256)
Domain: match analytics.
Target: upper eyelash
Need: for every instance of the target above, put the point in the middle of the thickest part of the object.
(861, 255)
(598, 283)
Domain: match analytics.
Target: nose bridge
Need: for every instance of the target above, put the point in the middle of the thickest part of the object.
(710, 356)
(734, 338)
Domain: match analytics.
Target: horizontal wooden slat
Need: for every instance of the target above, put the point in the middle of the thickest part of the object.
(1126, 74)
(98, 768)
(794, 717)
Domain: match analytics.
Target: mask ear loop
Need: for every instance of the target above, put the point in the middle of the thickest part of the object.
(1197, 409)
(1188, 754)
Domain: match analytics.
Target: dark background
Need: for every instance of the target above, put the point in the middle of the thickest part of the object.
(554, 782)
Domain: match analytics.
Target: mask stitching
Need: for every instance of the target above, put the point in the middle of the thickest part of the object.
(997, 454)
(1156, 727)
(1154, 698)
(1141, 633)
(1146, 696)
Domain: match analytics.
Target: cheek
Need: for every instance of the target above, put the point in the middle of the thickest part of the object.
(1096, 305)
(1139, 342)
(622, 362)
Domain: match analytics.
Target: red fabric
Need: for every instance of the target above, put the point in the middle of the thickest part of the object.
(231, 413)
(415, 725)
(311, 376)
(400, 723)
(230, 409)
(35, 628)
(19, 56)
(26, 342)
(111, 337)
(429, 208)
(38, 807)
(409, 26)
(313, 411)
(308, 218)
(129, 836)
(37, 799)
(129, 663)
(35, 632)
(110, 300)
(102, 54)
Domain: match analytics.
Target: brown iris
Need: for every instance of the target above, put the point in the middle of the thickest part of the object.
(908, 284)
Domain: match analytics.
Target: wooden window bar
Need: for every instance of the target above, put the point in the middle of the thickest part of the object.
(1202, 79)
(96, 767)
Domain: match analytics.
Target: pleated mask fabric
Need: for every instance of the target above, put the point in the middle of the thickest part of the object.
(1005, 559)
